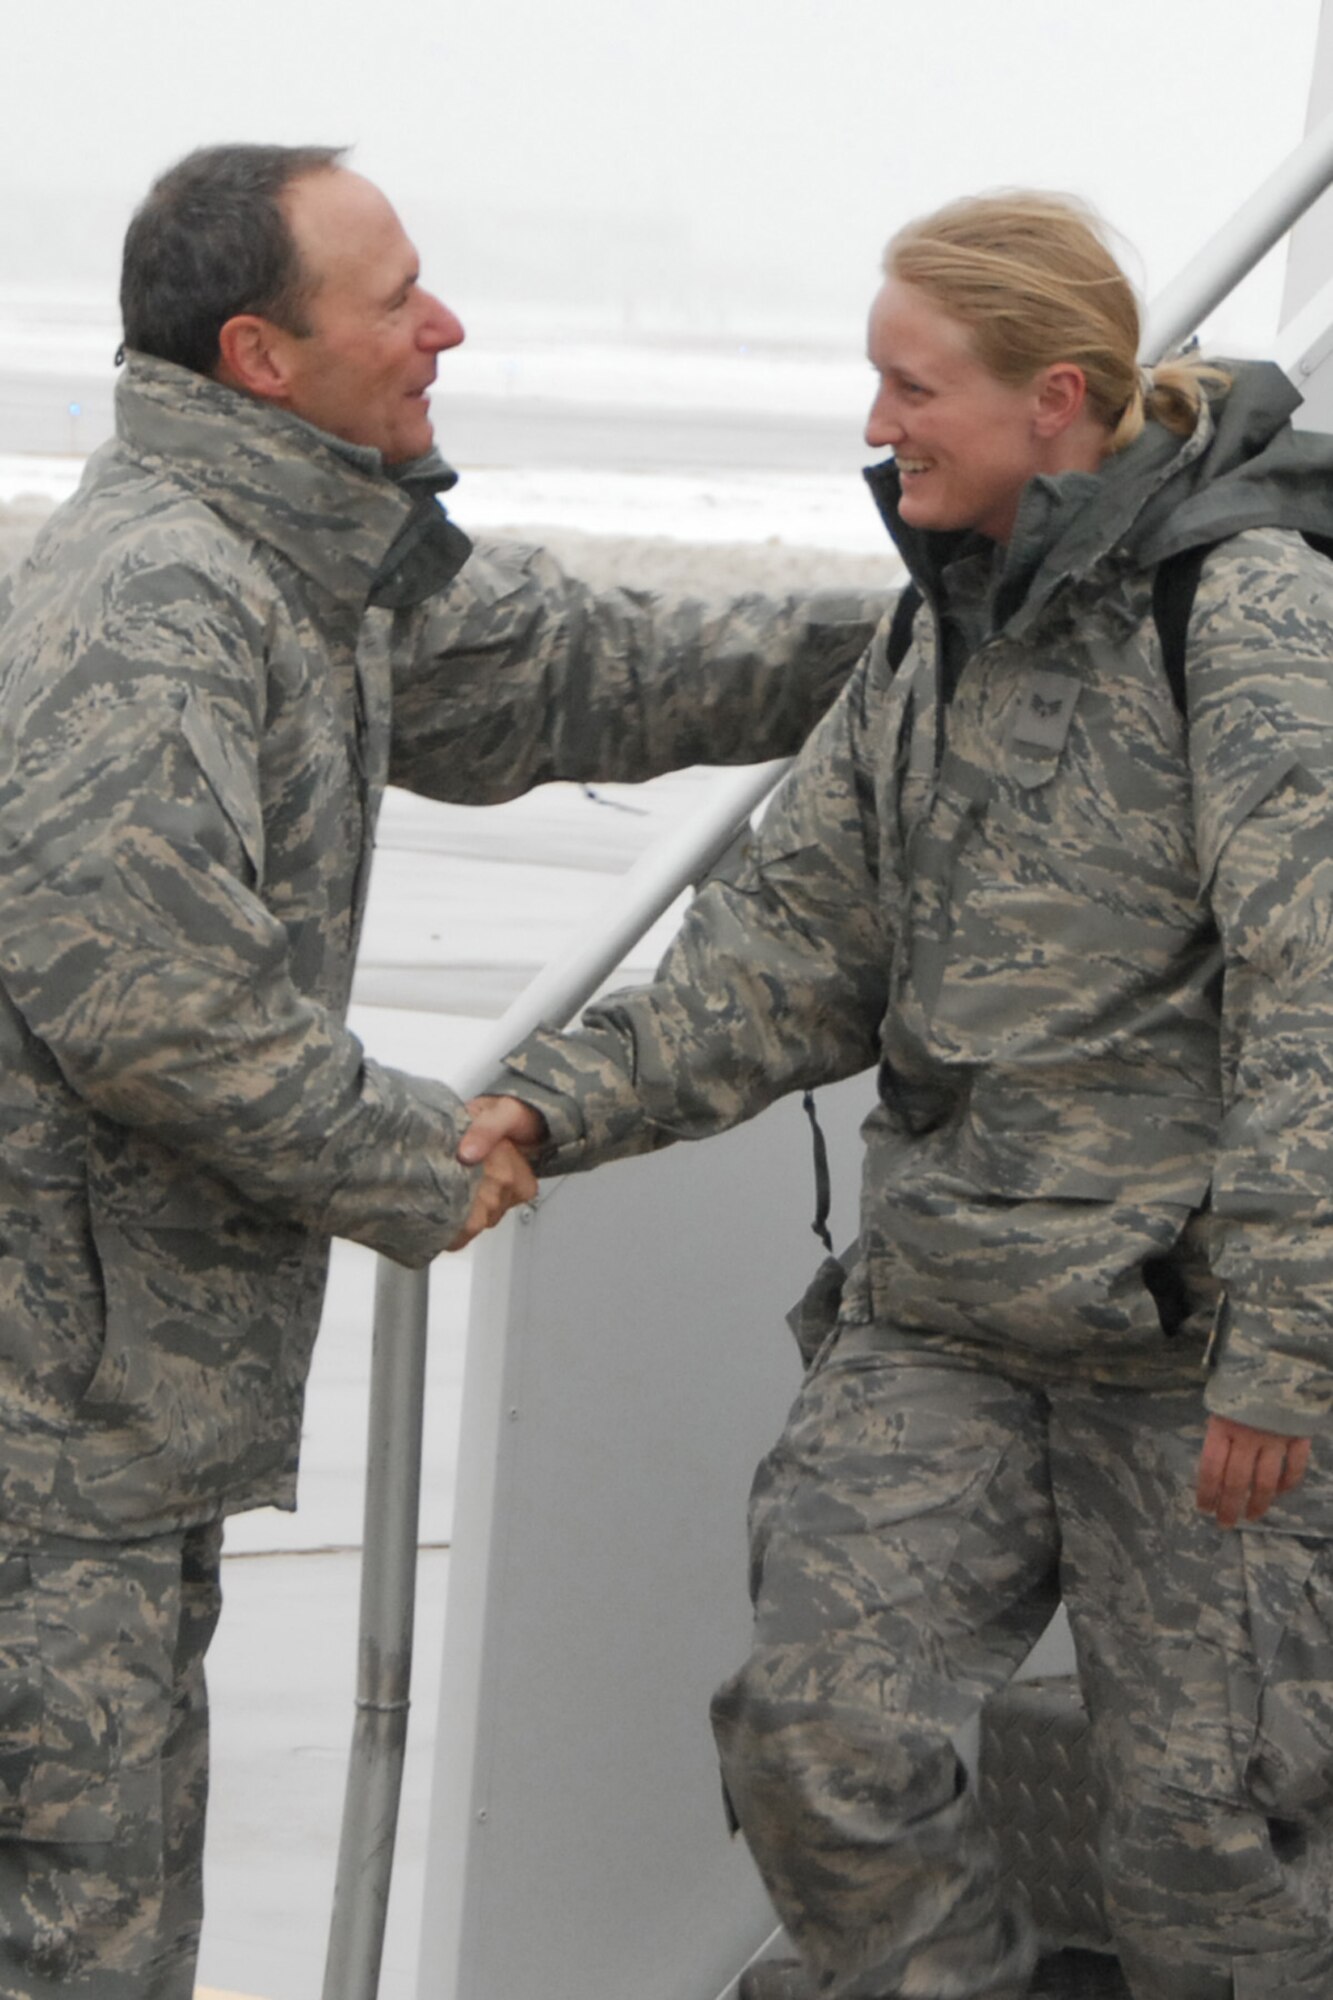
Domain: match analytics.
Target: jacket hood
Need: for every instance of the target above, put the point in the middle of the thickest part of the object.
(358, 528)
(1257, 472)
(1242, 467)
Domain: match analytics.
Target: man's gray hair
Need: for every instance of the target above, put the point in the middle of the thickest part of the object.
(210, 240)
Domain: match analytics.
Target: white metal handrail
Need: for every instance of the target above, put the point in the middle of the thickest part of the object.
(370, 1813)
(1234, 251)
(393, 1474)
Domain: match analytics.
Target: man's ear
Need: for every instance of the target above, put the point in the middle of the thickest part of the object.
(252, 355)
(1062, 395)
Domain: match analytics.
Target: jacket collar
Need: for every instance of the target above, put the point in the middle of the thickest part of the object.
(1242, 467)
(1258, 473)
(1066, 526)
(360, 531)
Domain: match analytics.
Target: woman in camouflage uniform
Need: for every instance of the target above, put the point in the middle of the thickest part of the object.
(1085, 932)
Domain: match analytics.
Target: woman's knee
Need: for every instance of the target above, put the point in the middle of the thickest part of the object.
(789, 1728)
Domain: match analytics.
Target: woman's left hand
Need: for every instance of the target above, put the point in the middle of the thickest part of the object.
(1242, 1470)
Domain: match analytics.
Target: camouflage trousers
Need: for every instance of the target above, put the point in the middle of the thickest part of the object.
(912, 1532)
(103, 1764)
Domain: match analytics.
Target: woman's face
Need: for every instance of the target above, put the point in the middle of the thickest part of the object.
(966, 444)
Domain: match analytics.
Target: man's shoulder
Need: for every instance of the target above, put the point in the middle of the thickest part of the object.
(131, 577)
(127, 528)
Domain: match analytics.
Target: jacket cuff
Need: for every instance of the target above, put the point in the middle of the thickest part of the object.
(591, 1110)
(413, 1208)
(1275, 1375)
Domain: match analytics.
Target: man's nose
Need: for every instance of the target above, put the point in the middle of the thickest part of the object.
(441, 328)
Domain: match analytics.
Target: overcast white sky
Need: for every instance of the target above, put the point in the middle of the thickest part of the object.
(789, 136)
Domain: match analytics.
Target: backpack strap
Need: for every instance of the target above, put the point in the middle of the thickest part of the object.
(1173, 588)
(900, 625)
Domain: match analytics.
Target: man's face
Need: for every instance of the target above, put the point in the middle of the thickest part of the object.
(364, 369)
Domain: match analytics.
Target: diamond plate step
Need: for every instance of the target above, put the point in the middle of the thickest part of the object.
(1037, 1789)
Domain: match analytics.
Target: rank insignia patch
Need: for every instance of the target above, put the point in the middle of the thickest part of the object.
(1046, 711)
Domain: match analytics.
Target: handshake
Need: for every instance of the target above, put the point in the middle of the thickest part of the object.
(501, 1140)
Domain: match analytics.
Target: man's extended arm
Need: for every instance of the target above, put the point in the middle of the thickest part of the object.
(777, 980)
(520, 673)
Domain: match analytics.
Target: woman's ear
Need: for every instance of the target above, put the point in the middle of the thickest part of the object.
(1062, 395)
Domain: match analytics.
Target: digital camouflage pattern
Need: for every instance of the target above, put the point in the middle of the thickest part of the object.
(911, 1533)
(1020, 905)
(103, 1765)
(215, 657)
(1086, 941)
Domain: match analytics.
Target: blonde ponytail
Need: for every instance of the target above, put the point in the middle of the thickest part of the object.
(1171, 394)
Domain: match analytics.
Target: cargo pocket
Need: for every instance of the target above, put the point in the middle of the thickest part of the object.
(85, 1690)
(1290, 1770)
(20, 1691)
(230, 780)
(1253, 1720)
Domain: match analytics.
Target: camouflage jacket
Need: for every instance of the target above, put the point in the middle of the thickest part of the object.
(1088, 944)
(197, 673)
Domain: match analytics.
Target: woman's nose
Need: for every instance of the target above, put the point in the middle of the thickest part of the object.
(882, 427)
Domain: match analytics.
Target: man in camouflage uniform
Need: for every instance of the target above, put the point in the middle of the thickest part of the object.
(1089, 946)
(251, 616)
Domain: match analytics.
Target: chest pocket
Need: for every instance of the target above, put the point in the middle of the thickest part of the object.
(935, 891)
(980, 861)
